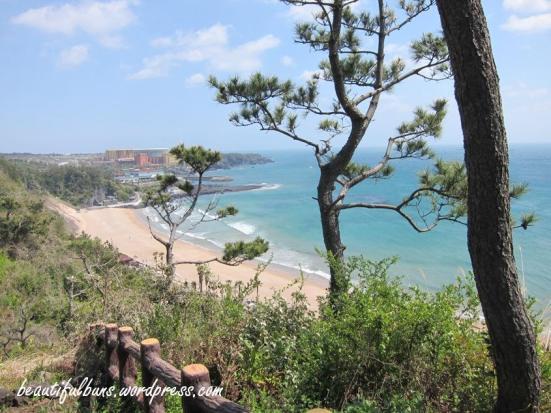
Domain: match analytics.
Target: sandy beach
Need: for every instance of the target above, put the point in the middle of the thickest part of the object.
(125, 230)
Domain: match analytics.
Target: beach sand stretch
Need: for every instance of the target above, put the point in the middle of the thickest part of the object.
(124, 229)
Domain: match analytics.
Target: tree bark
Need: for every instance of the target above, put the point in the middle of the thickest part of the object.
(169, 246)
(489, 227)
(331, 231)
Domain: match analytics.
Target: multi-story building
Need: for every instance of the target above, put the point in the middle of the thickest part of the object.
(141, 157)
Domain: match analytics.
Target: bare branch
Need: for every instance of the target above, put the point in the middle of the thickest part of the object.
(399, 208)
(409, 219)
(292, 135)
(410, 17)
(233, 263)
(155, 236)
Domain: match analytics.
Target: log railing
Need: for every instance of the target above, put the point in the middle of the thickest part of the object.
(123, 355)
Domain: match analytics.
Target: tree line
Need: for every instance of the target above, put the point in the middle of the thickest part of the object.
(79, 185)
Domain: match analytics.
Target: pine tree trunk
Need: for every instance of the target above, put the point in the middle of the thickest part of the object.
(489, 226)
(331, 230)
(329, 212)
(169, 260)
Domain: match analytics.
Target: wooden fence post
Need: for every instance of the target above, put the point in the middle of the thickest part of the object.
(127, 366)
(196, 375)
(93, 343)
(119, 363)
(150, 349)
(111, 355)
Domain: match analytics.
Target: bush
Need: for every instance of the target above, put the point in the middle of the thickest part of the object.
(28, 308)
(271, 341)
(387, 348)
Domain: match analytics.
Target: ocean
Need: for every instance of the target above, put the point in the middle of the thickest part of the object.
(284, 212)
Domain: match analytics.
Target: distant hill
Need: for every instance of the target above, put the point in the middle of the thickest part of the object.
(229, 160)
(233, 159)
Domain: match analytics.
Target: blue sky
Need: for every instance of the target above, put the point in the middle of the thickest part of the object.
(82, 76)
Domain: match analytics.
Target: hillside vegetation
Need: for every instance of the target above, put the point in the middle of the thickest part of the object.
(84, 185)
(78, 185)
(233, 159)
(388, 349)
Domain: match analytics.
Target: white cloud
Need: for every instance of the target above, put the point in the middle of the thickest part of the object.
(210, 45)
(196, 80)
(112, 42)
(527, 6)
(215, 35)
(244, 58)
(397, 50)
(523, 104)
(311, 74)
(287, 61)
(73, 56)
(100, 19)
(303, 13)
(391, 103)
(156, 66)
(523, 90)
(530, 24)
(306, 12)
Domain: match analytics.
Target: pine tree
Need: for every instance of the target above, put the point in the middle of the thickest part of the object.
(175, 199)
(359, 75)
(489, 225)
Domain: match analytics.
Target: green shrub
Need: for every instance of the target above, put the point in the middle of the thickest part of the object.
(397, 348)
(270, 343)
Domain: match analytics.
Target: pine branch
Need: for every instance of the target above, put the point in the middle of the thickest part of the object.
(400, 79)
(412, 15)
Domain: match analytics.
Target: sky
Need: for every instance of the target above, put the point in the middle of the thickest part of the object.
(84, 76)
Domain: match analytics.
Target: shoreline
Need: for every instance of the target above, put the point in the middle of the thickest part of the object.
(129, 233)
(281, 269)
(214, 246)
(206, 190)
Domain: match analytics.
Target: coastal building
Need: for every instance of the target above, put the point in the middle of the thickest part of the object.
(140, 158)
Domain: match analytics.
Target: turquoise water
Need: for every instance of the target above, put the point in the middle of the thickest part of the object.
(284, 213)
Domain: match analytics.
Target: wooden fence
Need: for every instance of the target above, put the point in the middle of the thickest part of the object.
(123, 355)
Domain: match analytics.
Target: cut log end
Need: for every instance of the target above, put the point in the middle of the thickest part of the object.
(149, 342)
(126, 330)
(196, 372)
(111, 335)
(150, 345)
(96, 326)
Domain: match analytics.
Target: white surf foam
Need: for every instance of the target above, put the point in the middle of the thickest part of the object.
(200, 236)
(202, 213)
(303, 268)
(267, 187)
(243, 227)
